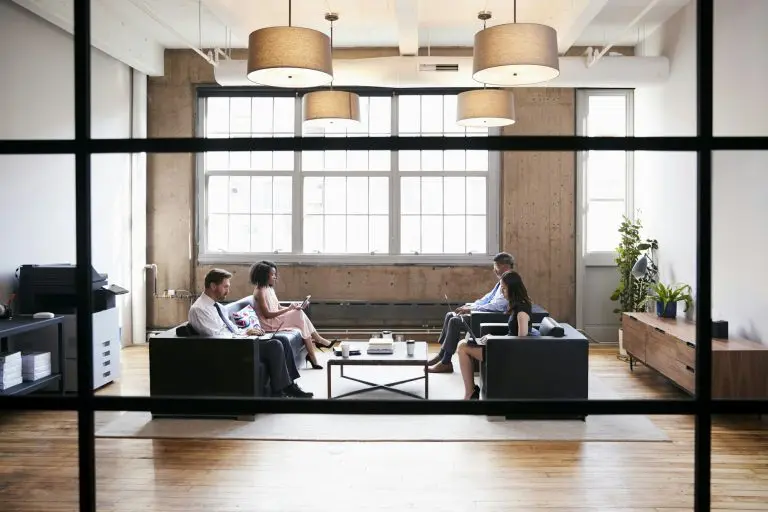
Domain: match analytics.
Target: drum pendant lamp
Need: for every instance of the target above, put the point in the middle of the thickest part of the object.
(485, 108)
(327, 108)
(292, 57)
(515, 54)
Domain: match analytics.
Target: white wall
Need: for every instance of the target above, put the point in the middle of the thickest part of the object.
(37, 102)
(665, 184)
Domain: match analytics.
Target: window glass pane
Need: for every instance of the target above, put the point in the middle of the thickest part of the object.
(410, 195)
(432, 234)
(409, 115)
(313, 196)
(379, 160)
(261, 116)
(455, 195)
(335, 195)
(410, 234)
(431, 195)
(239, 194)
(380, 115)
(357, 196)
(606, 174)
(283, 194)
(453, 234)
(378, 234)
(431, 161)
(313, 233)
(335, 160)
(357, 160)
(312, 160)
(239, 233)
(282, 234)
(239, 160)
(378, 191)
(357, 227)
(607, 116)
(603, 220)
(284, 116)
(335, 236)
(218, 233)
(410, 160)
(216, 117)
(261, 161)
(455, 160)
(476, 234)
(282, 160)
(218, 196)
(477, 160)
(431, 114)
(476, 196)
(240, 116)
(450, 104)
(261, 233)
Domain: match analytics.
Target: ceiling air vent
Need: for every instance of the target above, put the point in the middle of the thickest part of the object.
(439, 67)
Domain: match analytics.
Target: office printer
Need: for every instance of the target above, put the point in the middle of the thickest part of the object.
(53, 288)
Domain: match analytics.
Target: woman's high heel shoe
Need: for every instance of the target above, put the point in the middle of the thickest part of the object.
(315, 366)
(475, 394)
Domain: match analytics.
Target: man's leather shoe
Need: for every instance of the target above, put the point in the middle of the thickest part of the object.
(441, 368)
(296, 392)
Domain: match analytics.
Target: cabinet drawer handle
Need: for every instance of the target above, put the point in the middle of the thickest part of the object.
(105, 354)
(690, 369)
(106, 374)
(105, 363)
(106, 343)
(690, 344)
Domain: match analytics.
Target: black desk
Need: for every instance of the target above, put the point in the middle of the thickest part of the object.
(21, 324)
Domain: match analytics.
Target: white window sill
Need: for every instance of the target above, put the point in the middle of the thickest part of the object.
(347, 259)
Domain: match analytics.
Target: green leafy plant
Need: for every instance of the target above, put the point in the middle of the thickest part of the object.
(632, 292)
(673, 293)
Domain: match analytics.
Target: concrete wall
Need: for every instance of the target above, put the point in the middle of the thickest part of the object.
(536, 208)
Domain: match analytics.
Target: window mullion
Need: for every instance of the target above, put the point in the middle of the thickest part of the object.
(297, 187)
(394, 183)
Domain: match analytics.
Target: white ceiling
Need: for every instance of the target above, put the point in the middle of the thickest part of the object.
(136, 31)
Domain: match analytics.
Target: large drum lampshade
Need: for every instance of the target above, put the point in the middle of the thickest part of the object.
(289, 57)
(515, 54)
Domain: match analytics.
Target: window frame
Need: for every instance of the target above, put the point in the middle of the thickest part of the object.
(600, 258)
(297, 256)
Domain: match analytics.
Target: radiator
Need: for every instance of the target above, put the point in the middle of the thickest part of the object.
(386, 314)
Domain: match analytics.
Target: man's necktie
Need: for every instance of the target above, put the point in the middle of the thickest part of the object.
(223, 318)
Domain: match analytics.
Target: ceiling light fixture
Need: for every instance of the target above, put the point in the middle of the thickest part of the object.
(515, 54)
(323, 109)
(289, 56)
(485, 108)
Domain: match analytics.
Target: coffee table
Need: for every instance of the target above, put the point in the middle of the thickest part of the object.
(400, 357)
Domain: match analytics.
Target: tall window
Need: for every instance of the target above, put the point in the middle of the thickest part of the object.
(605, 176)
(375, 206)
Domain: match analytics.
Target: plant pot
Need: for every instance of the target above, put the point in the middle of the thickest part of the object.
(666, 312)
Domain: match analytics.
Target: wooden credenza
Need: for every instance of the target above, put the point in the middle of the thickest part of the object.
(739, 367)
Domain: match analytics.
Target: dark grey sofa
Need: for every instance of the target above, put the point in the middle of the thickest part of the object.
(553, 366)
(184, 364)
(477, 318)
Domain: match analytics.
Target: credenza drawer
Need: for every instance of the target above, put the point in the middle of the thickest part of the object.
(686, 353)
(634, 336)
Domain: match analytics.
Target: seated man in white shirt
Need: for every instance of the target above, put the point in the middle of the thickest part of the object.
(207, 317)
(453, 324)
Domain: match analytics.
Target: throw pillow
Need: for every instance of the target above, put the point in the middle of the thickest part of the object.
(246, 318)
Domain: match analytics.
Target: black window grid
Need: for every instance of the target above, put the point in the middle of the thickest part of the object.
(702, 406)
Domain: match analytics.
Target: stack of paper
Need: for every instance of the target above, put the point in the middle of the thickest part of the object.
(35, 365)
(10, 370)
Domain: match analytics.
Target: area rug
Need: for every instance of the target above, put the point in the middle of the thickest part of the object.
(329, 427)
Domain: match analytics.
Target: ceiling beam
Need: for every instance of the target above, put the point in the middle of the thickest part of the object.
(408, 26)
(110, 34)
(577, 21)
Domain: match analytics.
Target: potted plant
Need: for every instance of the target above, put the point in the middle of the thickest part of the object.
(667, 297)
(632, 290)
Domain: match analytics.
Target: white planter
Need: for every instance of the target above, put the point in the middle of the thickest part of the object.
(621, 343)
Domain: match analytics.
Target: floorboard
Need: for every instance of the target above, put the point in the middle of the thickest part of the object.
(38, 469)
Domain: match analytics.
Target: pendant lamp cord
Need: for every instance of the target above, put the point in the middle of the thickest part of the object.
(331, 17)
(290, 4)
(514, 11)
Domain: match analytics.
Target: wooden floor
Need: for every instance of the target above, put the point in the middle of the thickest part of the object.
(38, 466)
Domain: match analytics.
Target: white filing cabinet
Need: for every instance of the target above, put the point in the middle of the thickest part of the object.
(105, 345)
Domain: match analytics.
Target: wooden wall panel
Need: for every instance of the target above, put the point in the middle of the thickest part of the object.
(537, 198)
(538, 192)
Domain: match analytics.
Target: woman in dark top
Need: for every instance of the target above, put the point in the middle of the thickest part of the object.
(519, 325)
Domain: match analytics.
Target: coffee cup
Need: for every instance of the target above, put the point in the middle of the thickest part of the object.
(410, 346)
(345, 350)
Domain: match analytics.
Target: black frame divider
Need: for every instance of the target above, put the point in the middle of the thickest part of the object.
(702, 406)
